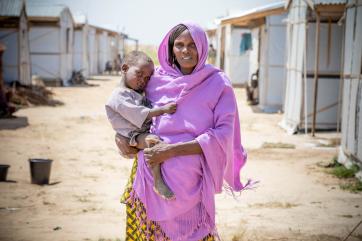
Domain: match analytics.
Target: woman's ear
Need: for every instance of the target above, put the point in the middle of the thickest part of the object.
(124, 68)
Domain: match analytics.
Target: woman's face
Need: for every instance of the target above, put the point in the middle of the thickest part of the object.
(185, 52)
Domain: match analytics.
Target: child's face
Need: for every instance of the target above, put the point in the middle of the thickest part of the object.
(137, 76)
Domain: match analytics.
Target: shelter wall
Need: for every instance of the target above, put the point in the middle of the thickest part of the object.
(9, 37)
(272, 75)
(78, 49)
(66, 46)
(351, 146)
(237, 64)
(330, 51)
(102, 42)
(254, 52)
(93, 51)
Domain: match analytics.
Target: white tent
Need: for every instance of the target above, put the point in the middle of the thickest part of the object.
(14, 35)
(313, 73)
(81, 56)
(268, 36)
(51, 43)
(351, 146)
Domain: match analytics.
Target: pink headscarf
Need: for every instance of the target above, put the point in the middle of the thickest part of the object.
(206, 112)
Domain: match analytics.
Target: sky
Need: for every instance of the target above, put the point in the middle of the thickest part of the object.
(149, 20)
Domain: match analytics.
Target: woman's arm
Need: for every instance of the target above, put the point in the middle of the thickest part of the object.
(162, 151)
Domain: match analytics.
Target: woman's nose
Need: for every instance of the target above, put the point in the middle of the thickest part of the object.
(185, 49)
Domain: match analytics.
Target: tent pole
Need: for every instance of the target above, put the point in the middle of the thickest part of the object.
(341, 81)
(316, 70)
(305, 80)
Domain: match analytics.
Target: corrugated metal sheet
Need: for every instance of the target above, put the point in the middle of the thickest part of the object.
(11, 8)
(329, 2)
(44, 11)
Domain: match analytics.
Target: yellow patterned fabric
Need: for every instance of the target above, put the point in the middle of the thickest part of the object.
(138, 227)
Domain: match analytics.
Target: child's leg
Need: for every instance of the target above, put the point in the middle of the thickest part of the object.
(159, 186)
(147, 140)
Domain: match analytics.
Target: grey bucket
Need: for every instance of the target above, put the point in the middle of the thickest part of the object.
(40, 170)
(3, 172)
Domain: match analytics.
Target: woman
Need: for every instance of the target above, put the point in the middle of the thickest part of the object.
(201, 144)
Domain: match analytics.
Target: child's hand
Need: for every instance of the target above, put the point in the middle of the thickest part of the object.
(170, 108)
(152, 140)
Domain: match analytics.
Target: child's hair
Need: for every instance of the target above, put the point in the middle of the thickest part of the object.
(176, 31)
(134, 56)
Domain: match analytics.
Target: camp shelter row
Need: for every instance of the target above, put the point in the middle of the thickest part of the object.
(49, 42)
(307, 54)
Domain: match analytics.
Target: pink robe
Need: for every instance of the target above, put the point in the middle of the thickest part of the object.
(206, 112)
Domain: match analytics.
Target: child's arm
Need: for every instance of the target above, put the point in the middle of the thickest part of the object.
(169, 108)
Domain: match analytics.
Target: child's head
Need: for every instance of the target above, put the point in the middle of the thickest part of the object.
(137, 69)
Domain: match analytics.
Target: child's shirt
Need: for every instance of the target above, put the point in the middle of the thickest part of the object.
(127, 111)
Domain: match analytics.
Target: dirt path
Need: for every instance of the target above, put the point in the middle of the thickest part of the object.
(295, 200)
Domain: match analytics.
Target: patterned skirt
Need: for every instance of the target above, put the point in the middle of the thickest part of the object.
(138, 227)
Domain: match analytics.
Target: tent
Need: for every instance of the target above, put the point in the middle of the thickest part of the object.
(14, 35)
(267, 52)
(314, 44)
(51, 43)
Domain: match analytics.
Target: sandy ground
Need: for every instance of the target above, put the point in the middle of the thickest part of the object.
(295, 200)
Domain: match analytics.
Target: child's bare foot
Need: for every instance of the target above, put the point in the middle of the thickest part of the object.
(163, 190)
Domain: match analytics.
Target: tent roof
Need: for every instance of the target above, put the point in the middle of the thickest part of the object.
(256, 13)
(312, 3)
(49, 12)
(328, 2)
(11, 8)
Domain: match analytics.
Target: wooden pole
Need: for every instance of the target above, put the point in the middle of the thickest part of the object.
(316, 70)
(341, 82)
(305, 80)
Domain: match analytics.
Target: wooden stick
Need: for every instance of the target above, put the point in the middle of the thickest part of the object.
(316, 70)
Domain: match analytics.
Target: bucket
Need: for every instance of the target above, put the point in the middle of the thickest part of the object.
(40, 171)
(3, 172)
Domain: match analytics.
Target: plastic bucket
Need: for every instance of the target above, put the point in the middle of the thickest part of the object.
(3, 172)
(40, 171)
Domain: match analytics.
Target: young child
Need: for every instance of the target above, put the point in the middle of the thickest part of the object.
(130, 113)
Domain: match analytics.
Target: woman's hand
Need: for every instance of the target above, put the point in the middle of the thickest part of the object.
(123, 146)
(158, 153)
